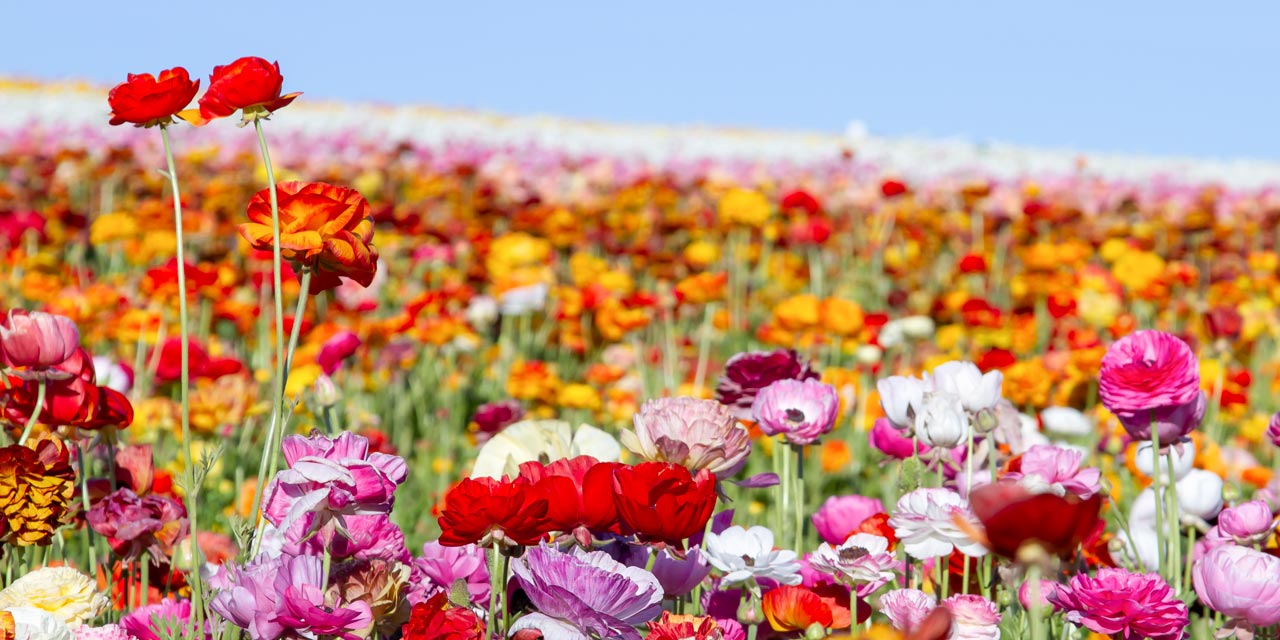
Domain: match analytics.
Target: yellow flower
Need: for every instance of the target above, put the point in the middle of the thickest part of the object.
(578, 396)
(701, 254)
(744, 207)
(67, 594)
(514, 251)
(841, 317)
(798, 312)
(1137, 270)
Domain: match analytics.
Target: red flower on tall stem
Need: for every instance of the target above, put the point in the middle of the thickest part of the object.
(583, 492)
(144, 100)
(1016, 519)
(485, 511)
(250, 84)
(663, 502)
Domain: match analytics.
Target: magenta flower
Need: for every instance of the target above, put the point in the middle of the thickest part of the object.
(1242, 584)
(696, 434)
(307, 612)
(890, 441)
(745, 374)
(801, 410)
(333, 478)
(492, 417)
(585, 594)
(246, 596)
(166, 619)
(335, 350)
(1273, 430)
(1247, 523)
(973, 617)
(34, 342)
(362, 537)
(1152, 376)
(133, 525)
(1049, 469)
(1123, 605)
(839, 517)
(1047, 587)
(440, 566)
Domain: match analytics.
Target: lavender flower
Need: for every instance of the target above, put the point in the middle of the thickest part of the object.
(584, 594)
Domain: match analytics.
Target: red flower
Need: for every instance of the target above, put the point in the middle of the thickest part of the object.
(973, 263)
(249, 84)
(891, 188)
(789, 609)
(801, 200)
(1015, 518)
(147, 101)
(71, 398)
(583, 491)
(169, 368)
(484, 511)
(662, 502)
(437, 619)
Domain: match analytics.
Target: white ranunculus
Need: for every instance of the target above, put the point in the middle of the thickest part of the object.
(530, 440)
(941, 420)
(522, 300)
(741, 554)
(900, 396)
(1065, 421)
(30, 623)
(976, 390)
(1182, 460)
(1200, 494)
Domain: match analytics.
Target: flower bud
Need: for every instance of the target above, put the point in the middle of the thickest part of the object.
(326, 392)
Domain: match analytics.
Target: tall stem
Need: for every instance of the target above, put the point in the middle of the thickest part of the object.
(1175, 529)
(192, 491)
(1159, 498)
(798, 499)
(35, 413)
(495, 578)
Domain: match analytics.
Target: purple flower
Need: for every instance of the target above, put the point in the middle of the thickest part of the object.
(440, 566)
(247, 596)
(168, 616)
(839, 517)
(1123, 605)
(678, 576)
(133, 525)
(1049, 469)
(745, 374)
(306, 611)
(1273, 430)
(697, 434)
(331, 477)
(581, 594)
(800, 410)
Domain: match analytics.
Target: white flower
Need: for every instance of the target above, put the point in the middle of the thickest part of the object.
(863, 560)
(111, 375)
(925, 521)
(1183, 456)
(868, 354)
(917, 327)
(1066, 421)
(72, 597)
(30, 623)
(530, 440)
(977, 391)
(941, 420)
(973, 617)
(742, 554)
(482, 312)
(1200, 494)
(899, 397)
(1143, 548)
(891, 334)
(522, 300)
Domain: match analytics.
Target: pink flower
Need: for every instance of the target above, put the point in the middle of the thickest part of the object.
(1240, 583)
(839, 517)
(1247, 523)
(105, 632)
(1049, 469)
(1152, 376)
(132, 525)
(925, 523)
(889, 440)
(802, 411)
(33, 342)
(694, 433)
(440, 566)
(1273, 430)
(973, 617)
(906, 608)
(1123, 605)
(1047, 587)
(337, 349)
(363, 537)
(308, 612)
(863, 561)
(155, 621)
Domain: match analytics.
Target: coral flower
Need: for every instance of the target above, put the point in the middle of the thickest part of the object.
(1123, 605)
(249, 84)
(699, 434)
(790, 609)
(1152, 376)
(663, 502)
(34, 342)
(484, 511)
(437, 619)
(37, 486)
(325, 228)
(145, 100)
(1013, 517)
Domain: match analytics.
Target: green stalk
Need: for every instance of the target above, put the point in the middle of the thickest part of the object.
(1037, 623)
(1175, 531)
(1155, 487)
(798, 499)
(495, 576)
(35, 413)
(192, 491)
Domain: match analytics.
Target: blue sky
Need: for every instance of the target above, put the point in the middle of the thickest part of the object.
(1153, 77)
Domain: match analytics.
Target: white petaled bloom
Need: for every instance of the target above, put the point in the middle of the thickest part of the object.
(1065, 421)
(925, 520)
(1200, 494)
(552, 440)
(482, 312)
(977, 391)
(1183, 454)
(72, 597)
(111, 374)
(522, 300)
(863, 561)
(1143, 548)
(906, 608)
(900, 397)
(743, 554)
(941, 420)
(973, 617)
(891, 334)
(30, 623)
(917, 327)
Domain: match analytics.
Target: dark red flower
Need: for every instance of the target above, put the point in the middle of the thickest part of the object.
(745, 374)
(1224, 322)
(250, 84)
(146, 101)
(891, 188)
(663, 502)
(801, 200)
(583, 492)
(485, 511)
(973, 263)
(493, 417)
(202, 365)
(437, 619)
(1015, 518)
(133, 525)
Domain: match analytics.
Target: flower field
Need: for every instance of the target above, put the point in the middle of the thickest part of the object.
(341, 380)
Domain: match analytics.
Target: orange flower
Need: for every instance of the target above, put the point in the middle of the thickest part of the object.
(323, 227)
(249, 84)
(791, 609)
(146, 101)
(36, 489)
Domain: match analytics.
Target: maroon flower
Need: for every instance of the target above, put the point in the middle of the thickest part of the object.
(133, 525)
(747, 373)
(493, 417)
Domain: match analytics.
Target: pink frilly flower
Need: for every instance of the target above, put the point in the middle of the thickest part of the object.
(439, 567)
(1152, 376)
(906, 608)
(362, 537)
(863, 562)
(973, 617)
(1273, 430)
(1247, 523)
(1047, 587)
(284, 597)
(839, 516)
(105, 632)
(925, 522)
(1049, 469)
(691, 432)
(1123, 605)
(1242, 584)
(157, 621)
(132, 525)
(800, 410)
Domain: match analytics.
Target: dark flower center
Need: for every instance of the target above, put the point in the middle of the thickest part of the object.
(853, 553)
(795, 415)
(751, 562)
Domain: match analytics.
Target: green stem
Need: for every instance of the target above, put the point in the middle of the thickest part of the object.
(35, 413)
(1037, 623)
(1159, 498)
(495, 577)
(91, 559)
(798, 499)
(192, 491)
(1175, 530)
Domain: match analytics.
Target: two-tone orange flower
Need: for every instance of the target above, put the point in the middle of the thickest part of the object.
(324, 228)
(250, 84)
(794, 609)
(147, 101)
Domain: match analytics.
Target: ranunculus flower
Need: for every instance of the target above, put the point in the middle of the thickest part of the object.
(132, 525)
(250, 84)
(585, 594)
(839, 516)
(145, 100)
(380, 584)
(484, 511)
(33, 343)
(687, 627)
(37, 487)
(745, 374)
(889, 440)
(1241, 583)
(925, 522)
(1247, 523)
(1124, 605)
(791, 609)
(863, 562)
(580, 495)
(741, 554)
(492, 417)
(547, 440)
(1049, 469)
(941, 420)
(1014, 516)
(337, 349)
(439, 567)
(679, 576)
(70, 596)
(1152, 376)
(801, 410)
(977, 391)
(437, 619)
(325, 228)
(973, 617)
(168, 616)
(695, 433)
(663, 502)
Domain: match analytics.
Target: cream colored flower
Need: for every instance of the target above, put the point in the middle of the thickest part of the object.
(545, 440)
(67, 594)
(31, 623)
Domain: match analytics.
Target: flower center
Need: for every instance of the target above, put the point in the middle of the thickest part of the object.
(852, 554)
(795, 415)
(751, 562)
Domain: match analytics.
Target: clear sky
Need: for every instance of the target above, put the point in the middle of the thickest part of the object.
(1168, 77)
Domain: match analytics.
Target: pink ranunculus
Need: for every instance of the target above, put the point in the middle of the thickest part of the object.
(890, 441)
(1049, 469)
(132, 525)
(925, 522)
(839, 517)
(363, 537)
(34, 342)
(801, 410)
(337, 349)
(1152, 376)
(1123, 605)
(906, 608)
(105, 632)
(1247, 523)
(306, 609)
(1047, 587)
(439, 567)
(1241, 583)
(691, 432)
(973, 617)
(168, 618)
(1273, 429)
(745, 374)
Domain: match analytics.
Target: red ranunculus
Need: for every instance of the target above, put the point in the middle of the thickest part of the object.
(663, 502)
(583, 492)
(70, 397)
(1014, 517)
(250, 84)
(146, 101)
(437, 619)
(485, 511)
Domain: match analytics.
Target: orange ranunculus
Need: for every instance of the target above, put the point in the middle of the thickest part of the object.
(791, 609)
(249, 84)
(323, 227)
(147, 101)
